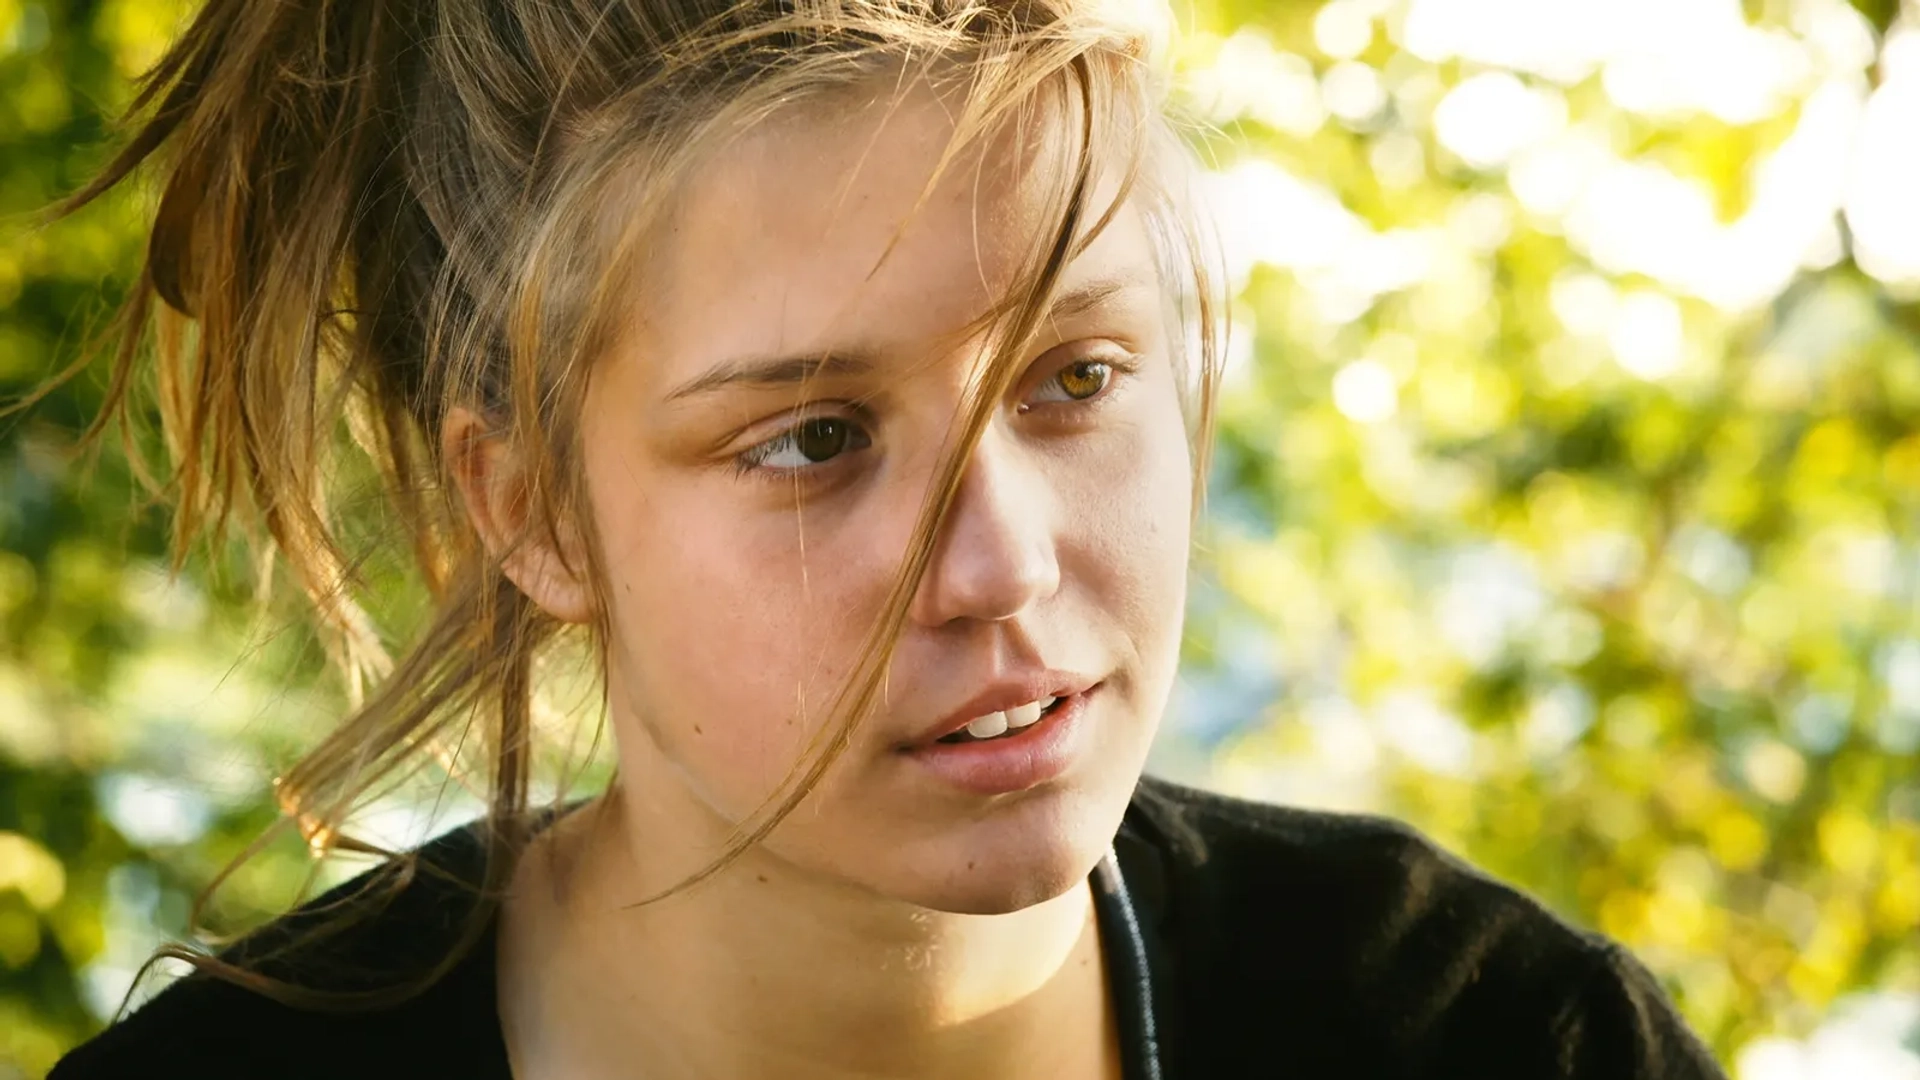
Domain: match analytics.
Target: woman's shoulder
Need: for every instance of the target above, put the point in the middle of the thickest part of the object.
(340, 953)
(1360, 887)
(209, 1028)
(1375, 948)
(1246, 844)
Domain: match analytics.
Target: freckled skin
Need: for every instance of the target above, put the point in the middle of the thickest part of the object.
(740, 606)
(893, 924)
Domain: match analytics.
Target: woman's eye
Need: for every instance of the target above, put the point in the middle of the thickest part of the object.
(1081, 380)
(805, 445)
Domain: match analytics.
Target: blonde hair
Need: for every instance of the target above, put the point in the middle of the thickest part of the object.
(375, 210)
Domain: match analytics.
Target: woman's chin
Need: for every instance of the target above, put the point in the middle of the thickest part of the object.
(975, 873)
(1005, 889)
(1002, 859)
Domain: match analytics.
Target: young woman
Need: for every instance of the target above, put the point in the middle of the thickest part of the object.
(823, 366)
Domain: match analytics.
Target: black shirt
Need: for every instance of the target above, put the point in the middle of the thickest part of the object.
(1280, 942)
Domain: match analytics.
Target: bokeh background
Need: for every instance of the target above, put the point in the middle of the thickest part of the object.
(1567, 502)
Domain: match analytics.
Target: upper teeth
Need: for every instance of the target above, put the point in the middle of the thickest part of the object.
(999, 723)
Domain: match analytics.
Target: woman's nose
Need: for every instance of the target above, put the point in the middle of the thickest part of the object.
(994, 557)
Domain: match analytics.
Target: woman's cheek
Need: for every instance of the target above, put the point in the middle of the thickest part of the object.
(1133, 487)
(1138, 526)
(740, 653)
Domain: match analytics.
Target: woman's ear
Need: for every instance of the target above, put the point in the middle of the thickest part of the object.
(494, 485)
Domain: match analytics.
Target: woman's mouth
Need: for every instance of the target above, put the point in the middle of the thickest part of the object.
(1004, 725)
(993, 756)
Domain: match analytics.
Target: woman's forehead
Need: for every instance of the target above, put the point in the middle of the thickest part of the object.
(810, 234)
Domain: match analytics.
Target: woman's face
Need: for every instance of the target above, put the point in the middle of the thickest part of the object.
(752, 521)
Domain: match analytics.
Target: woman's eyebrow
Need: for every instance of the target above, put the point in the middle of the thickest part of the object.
(1088, 295)
(772, 373)
(768, 373)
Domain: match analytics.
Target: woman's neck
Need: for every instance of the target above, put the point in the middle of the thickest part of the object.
(765, 971)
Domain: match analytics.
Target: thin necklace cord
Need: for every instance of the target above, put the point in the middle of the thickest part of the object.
(1132, 979)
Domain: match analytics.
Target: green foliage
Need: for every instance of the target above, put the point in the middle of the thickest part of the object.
(134, 757)
(1590, 555)
(1594, 559)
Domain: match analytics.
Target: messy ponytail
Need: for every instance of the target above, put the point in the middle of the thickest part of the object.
(372, 211)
